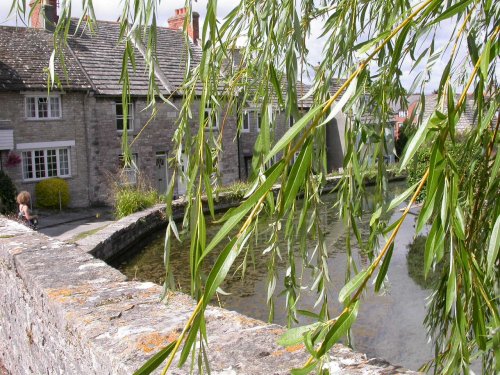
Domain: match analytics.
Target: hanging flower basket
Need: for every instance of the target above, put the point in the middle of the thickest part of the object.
(13, 160)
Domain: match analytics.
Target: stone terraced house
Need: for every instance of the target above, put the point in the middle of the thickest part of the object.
(76, 132)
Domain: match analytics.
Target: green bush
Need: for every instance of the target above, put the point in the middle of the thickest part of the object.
(7, 194)
(48, 192)
(463, 162)
(129, 199)
(417, 169)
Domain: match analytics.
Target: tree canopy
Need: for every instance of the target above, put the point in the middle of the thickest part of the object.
(370, 46)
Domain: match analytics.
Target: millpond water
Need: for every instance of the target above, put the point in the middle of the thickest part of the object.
(389, 325)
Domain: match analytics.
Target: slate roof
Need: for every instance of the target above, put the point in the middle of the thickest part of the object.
(93, 60)
(24, 52)
(101, 56)
(467, 118)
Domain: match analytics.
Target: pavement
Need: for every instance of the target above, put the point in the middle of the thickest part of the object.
(71, 224)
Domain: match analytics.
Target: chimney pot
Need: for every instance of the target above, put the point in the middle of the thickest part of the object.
(176, 22)
(44, 15)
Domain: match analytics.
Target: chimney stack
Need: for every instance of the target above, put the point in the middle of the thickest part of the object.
(176, 22)
(44, 15)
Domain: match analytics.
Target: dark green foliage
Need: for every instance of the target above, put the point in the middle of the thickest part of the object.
(7, 194)
(463, 162)
(52, 193)
(415, 261)
(418, 168)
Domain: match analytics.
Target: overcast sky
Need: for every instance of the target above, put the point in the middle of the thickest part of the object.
(109, 10)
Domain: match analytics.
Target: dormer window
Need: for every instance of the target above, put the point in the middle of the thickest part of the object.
(403, 113)
(43, 107)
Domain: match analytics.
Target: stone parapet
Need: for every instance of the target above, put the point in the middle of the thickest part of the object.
(64, 312)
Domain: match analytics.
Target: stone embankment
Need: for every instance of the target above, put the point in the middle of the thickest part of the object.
(63, 311)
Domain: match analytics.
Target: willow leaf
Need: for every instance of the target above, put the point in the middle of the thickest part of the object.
(383, 268)
(451, 289)
(156, 360)
(304, 370)
(220, 270)
(233, 217)
(493, 246)
(414, 144)
(342, 102)
(352, 285)
(191, 339)
(451, 11)
(291, 133)
(339, 328)
(297, 174)
(478, 323)
(295, 335)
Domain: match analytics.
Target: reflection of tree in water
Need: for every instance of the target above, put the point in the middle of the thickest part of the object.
(415, 261)
(251, 266)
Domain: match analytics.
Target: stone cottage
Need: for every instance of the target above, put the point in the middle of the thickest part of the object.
(76, 132)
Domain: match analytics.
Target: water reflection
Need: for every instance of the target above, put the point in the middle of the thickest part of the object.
(389, 326)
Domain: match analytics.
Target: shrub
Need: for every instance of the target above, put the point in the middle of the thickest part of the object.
(7, 194)
(129, 199)
(417, 169)
(236, 190)
(49, 191)
(462, 160)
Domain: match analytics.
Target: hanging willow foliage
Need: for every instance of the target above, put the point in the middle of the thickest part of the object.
(367, 43)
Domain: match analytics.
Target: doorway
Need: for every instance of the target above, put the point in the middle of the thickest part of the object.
(161, 172)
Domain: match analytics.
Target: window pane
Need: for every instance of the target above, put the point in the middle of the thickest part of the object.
(246, 121)
(39, 164)
(119, 123)
(119, 116)
(63, 162)
(30, 107)
(43, 108)
(27, 165)
(51, 163)
(119, 110)
(54, 107)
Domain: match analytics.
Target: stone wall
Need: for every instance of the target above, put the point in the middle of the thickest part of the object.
(64, 312)
(148, 141)
(70, 127)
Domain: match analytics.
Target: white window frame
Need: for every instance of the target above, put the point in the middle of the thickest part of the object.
(130, 122)
(246, 116)
(36, 97)
(45, 151)
(402, 113)
(253, 114)
(215, 126)
(130, 172)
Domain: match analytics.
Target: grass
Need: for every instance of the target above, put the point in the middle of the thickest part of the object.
(85, 234)
(235, 190)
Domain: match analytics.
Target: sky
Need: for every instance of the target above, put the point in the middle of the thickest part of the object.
(109, 10)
